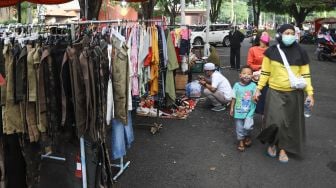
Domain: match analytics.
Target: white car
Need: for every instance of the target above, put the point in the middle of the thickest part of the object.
(218, 34)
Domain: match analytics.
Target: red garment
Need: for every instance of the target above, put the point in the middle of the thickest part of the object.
(7, 3)
(255, 57)
(177, 50)
(148, 59)
(2, 80)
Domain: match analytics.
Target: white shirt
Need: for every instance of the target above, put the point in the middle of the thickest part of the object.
(219, 82)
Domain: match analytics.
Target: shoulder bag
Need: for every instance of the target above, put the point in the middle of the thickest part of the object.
(295, 82)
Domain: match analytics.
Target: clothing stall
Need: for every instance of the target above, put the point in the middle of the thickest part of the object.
(82, 78)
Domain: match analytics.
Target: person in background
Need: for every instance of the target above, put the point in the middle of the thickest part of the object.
(236, 37)
(217, 88)
(297, 32)
(284, 119)
(243, 107)
(254, 60)
(256, 53)
(213, 57)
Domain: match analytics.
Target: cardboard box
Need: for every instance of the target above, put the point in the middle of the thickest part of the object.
(180, 81)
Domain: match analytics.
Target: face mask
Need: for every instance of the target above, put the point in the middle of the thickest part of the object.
(246, 79)
(288, 39)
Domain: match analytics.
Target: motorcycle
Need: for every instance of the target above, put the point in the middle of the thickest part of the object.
(326, 51)
(308, 38)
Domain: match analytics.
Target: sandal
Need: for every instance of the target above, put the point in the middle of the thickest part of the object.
(247, 142)
(283, 158)
(241, 146)
(271, 151)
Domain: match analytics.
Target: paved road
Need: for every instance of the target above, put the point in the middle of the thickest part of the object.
(200, 152)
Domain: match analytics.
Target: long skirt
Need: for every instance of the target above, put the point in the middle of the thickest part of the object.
(284, 120)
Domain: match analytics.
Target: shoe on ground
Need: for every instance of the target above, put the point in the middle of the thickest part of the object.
(283, 158)
(271, 151)
(218, 108)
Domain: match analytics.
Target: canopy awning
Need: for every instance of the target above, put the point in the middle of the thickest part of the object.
(134, 1)
(7, 3)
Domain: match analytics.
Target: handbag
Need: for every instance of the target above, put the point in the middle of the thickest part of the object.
(295, 82)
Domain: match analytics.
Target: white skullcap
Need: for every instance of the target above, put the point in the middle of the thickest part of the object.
(209, 66)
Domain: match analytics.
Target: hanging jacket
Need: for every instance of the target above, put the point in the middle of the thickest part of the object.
(50, 100)
(12, 121)
(21, 76)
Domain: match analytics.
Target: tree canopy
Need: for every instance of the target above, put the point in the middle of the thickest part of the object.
(298, 9)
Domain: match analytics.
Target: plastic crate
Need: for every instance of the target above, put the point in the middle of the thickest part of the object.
(197, 67)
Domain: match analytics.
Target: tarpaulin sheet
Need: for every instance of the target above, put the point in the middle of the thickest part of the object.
(6, 3)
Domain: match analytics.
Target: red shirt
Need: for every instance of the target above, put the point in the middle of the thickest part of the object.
(255, 57)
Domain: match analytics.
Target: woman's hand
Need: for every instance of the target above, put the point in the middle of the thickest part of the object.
(256, 95)
(311, 99)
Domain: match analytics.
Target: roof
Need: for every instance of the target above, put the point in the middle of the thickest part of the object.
(7, 3)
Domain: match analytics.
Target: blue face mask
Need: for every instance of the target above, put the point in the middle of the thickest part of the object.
(288, 39)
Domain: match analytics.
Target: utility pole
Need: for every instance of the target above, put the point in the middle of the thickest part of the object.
(183, 13)
(86, 9)
(207, 46)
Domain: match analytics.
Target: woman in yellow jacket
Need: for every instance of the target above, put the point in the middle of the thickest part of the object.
(284, 119)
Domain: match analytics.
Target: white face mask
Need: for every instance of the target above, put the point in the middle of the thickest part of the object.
(288, 39)
(246, 78)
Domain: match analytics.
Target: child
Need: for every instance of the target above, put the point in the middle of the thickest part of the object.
(242, 107)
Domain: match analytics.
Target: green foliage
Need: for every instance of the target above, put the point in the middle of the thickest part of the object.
(8, 22)
(240, 9)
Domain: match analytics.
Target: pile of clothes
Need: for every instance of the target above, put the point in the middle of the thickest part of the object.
(182, 107)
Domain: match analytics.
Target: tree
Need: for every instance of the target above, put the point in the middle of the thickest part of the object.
(172, 8)
(93, 8)
(215, 10)
(148, 9)
(256, 11)
(298, 9)
(240, 8)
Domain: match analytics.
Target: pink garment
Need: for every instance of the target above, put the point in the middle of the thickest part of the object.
(134, 63)
(185, 34)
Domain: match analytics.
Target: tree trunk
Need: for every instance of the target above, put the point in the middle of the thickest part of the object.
(256, 12)
(215, 10)
(18, 7)
(147, 9)
(299, 14)
(93, 9)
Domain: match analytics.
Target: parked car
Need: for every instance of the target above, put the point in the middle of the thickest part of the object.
(218, 34)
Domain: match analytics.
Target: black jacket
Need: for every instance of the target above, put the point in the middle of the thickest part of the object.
(236, 37)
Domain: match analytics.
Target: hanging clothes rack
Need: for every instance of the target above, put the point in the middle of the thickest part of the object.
(156, 126)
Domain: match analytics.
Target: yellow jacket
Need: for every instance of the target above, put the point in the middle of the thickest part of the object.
(275, 74)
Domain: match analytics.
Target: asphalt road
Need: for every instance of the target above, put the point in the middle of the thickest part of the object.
(200, 152)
